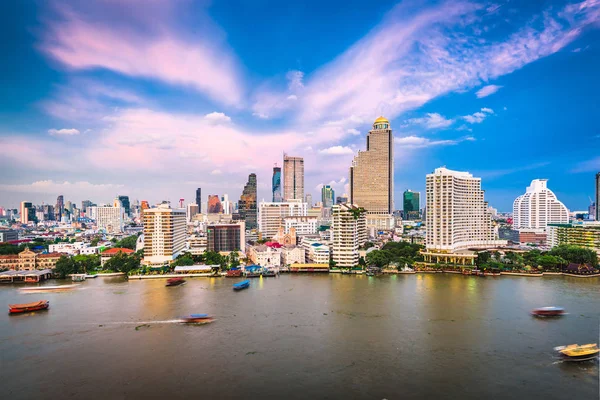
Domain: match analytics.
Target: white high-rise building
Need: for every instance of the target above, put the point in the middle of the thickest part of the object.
(227, 204)
(348, 233)
(108, 218)
(305, 225)
(192, 210)
(164, 234)
(537, 208)
(271, 215)
(458, 217)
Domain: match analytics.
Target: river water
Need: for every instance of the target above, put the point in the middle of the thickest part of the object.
(303, 337)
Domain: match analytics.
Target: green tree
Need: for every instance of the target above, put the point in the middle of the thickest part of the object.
(122, 263)
(362, 262)
(65, 266)
(548, 261)
(378, 258)
(87, 263)
(575, 254)
(214, 258)
(234, 260)
(184, 259)
(483, 257)
(530, 258)
(127, 243)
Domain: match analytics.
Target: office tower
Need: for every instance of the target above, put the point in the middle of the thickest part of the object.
(192, 210)
(199, 199)
(597, 202)
(108, 218)
(227, 204)
(341, 199)
(126, 205)
(277, 184)
(293, 178)
(69, 208)
(247, 204)
(327, 196)
(372, 171)
(85, 204)
(27, 212)
(537, 208)
(411, 204)
(348, 233)
(48, 211)
(457, 214)
(8, 235)
(309, 200)
(164, 234)
(226, 237)
(271, 215)
(214, 204)
(60, 208)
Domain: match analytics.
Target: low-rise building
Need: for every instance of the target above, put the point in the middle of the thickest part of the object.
(7, 235)
(197, 245)
(576, 234)
(226, 237)
(110, 253)
(266, 255)
(304, 225)
(28, 260)
(292, 255)
(315, 251)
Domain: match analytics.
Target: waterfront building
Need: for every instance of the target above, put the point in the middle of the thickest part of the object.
(192, 211)
(113, 251)
(293, 178)
(266, 255)
(108, 218)
(27, 260)
(372, 171)
(348, 233)
(582, 234)
(226, 237)
(27, 212)
(197, 245)
(284, 238)
(271, 215)
(247, 204)
(411, 204)
(199, 200)
(214, 204)
(597, 202)
(276, 184)
(457, 214)
(316, 251)
(125, 203)
(164, 234)
(327, 196)
(302, 225)
(8, 235)
(309, 200)
(291, 254)
(534, 210)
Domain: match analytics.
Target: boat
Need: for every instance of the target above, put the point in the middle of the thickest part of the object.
(267, 272)
(234, 273)
(575, 352)
(78, 277)
(88, 276)
(196, 319)
(28, 307)
(59, 288)
(241, 285)
(477, 272)
(548, 312)
(175, 281)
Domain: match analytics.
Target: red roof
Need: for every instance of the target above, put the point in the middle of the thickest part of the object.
(115, 250)
(273, 245)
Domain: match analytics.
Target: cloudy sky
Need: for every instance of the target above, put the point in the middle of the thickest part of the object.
(153, 98)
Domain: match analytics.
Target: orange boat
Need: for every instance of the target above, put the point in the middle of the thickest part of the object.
(28, 307)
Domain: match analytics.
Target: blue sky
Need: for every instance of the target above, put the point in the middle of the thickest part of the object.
(154, 98)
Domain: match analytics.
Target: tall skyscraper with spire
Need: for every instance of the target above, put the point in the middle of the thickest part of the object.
(276, 184)
(293, 178)
(372, 172)
(247, 203)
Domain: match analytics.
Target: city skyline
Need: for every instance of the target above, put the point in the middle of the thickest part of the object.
(96, 118)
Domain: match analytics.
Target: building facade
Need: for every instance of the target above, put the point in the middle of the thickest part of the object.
(125, 203)
(27, 260)
(60, 208)
(276, 185)
(214, 205)
(304, 225)
(597, 202)
(271, 215)
(27, 212)
(411, 205)
(226, 237)
(108, 219)
(372, 171)
(266, 256)
(192, 211)
(293, 178)
(537, 208)
(327, 196)
(348, 233)
(457, 214)
(199, 199)
(247, 204)
(315, 250)
(580, 234)
(164, 234)
(7, 235)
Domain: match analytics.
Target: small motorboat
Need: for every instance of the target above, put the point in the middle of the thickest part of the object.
(196, 319)
(59, 288)
(175, 281)
(575, 352)
(28, 307)
(241, 285)
(548, 312)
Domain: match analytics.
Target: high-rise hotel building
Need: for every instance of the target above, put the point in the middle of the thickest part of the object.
(457, 214)
(372, 175)
(293, 178)
(537, 208)
(348, 233)
(164, 234)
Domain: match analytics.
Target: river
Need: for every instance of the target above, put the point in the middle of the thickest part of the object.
(303, 337)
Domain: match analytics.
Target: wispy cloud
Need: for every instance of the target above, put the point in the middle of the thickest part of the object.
(53, 187)
(487, 91)
(431, 121)
(417, 142)
(336, 151)
(217, 118)
(479, 116)
(490, 174)
(63, 132)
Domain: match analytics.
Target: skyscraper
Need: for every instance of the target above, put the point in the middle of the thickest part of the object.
(276, 184)
(309, 200)
(27, 212)
(192, 210)
(199, 199)
(327, 196)
(126, 205)
(247, 203)
(597, 203)
(348, 233)
(293, 178)
(411, 202)
(214, 205)
(59, 210)
(164, 234)
(457, 214)
(537, 208)
(372, 171)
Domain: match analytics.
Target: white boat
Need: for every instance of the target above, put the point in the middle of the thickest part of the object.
(91, 276)
(78, 277)
(59, 288)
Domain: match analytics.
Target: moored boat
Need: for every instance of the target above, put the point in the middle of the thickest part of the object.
(241, 285)
(196, 319)
(28, 307)
(175, 281)
(548, 312)
(234, 273)
(575, 352)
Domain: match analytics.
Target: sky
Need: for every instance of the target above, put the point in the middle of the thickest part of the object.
(154, 98)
